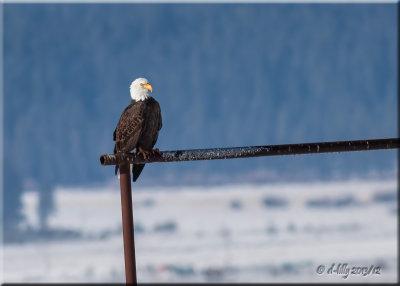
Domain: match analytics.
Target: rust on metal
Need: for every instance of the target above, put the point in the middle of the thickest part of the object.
(127, 224)
(253, 151)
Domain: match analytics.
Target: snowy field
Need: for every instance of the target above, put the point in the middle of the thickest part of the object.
(241, 233)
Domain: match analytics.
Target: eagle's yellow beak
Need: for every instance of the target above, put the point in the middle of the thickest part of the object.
(148, 86)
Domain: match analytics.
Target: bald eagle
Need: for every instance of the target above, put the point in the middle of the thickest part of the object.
(137, 129)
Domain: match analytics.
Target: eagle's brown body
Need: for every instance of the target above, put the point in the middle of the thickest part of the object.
(138, 127)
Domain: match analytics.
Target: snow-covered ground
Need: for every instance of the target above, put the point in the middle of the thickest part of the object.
(277, 232)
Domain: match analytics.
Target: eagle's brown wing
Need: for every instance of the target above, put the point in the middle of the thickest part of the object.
(129, 128)
(151, 126)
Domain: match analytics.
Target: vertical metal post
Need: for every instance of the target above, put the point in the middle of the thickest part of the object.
(127, 224)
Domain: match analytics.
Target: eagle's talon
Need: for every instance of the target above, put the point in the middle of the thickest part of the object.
(156, 151)
(142, 152)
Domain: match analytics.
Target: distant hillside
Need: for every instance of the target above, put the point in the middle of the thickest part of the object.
(225, 75)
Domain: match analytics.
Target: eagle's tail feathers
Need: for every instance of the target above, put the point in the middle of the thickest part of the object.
(115, 152)
(136, 170)
(116, 170)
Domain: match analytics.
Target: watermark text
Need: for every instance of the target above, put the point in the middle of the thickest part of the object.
(345, 270)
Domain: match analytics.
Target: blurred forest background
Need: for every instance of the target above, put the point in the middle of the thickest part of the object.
(224, 74)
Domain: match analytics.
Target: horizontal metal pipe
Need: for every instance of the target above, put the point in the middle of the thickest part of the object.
(253, 151)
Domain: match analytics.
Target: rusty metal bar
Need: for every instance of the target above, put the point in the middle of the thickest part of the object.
(124, 161)
(253, 151)
(127, 224)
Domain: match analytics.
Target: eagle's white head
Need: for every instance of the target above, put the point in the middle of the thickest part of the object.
(140, 89)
